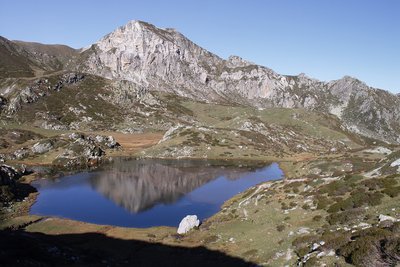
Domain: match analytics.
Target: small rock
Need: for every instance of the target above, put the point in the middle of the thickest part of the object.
(21, 153)
(363, 225)
(315, 246)
(386, 218)
(303, 230)
(331, 253)
(188, 223)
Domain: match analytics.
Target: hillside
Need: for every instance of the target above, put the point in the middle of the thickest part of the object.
(53, 57)
(13, 61)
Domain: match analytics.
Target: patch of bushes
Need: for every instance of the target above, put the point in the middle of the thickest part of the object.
(392, 192)
(284, 206)
(302, 244)
(379, 183)
(335, 240)
(357, 199)
(280, 227)
(352, 178)
(6, 194)
(322, 202)
(335, 188)
(317, 218)
(345, 217)
(372, 247)
(293, 187)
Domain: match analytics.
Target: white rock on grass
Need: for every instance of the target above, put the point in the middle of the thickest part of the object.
(303, 230)
(395, 163)
(386, 218)
(379, 150)
(188, 223)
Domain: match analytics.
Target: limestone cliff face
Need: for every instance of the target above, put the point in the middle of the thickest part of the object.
(164, 60)
(158, 59)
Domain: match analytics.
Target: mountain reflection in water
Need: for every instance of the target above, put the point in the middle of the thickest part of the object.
(147, 192)
(139, 185)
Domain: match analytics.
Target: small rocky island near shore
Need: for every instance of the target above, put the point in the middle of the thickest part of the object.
(71, 118)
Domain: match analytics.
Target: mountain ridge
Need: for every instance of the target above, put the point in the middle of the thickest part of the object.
(150, 57)
(164, 60)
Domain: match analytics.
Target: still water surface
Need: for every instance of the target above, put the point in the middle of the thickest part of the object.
(144, 193)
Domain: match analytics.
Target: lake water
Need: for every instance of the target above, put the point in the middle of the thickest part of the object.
(144, 193)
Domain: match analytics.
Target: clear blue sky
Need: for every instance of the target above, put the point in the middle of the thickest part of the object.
(322, 38)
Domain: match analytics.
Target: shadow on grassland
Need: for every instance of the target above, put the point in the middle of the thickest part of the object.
(20, 248)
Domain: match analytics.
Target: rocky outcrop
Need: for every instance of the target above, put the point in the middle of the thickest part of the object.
(165, 60)
(8, 175)
(42, 147)
(82, 150)
(10, 188)
(37, 89)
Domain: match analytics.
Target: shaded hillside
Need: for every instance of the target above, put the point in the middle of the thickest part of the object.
(53, 57)
(14, 61)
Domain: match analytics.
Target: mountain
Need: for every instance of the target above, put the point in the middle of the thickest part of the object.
(25, 59)
(14, 61)
(52, 57)
(139, 60)
(165, 60)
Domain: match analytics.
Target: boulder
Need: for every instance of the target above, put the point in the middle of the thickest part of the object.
(21, 153)
(188, 223)
(42, 147)
(111, 142)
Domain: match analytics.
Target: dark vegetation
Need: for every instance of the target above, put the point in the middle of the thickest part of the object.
(375, 246)
(11, 189)
(345, 201)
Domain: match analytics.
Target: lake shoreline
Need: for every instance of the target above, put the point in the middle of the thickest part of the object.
(176, 188)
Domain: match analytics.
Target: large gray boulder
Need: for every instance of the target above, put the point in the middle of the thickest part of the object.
(42, 147)
(187, 224)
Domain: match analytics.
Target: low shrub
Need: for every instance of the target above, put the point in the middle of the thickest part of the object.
(345, 217)
(280, 227)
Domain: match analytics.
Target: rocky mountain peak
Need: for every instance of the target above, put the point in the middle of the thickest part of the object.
(165, 60)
